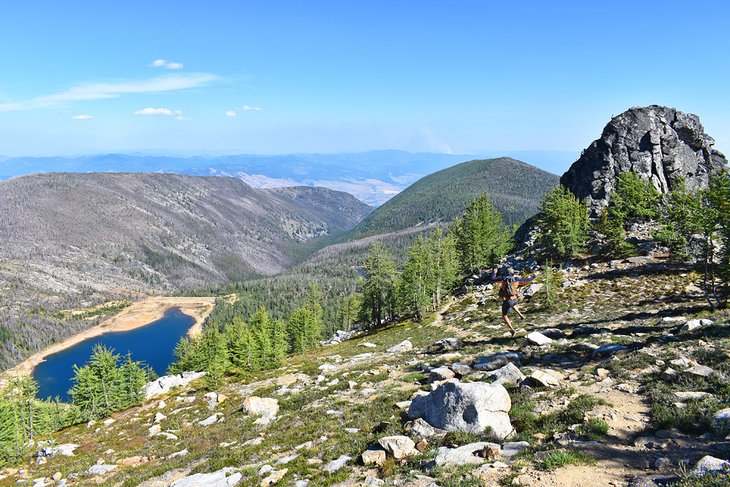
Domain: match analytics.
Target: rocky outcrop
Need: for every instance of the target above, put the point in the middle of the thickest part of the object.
(659, 144)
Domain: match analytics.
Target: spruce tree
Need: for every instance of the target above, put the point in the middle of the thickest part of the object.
(481, 235)
(562, 224)
(414, 288)
(379, 288)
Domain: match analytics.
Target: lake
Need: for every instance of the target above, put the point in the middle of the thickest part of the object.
(152, 344)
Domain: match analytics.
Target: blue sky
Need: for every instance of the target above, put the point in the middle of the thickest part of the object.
(272, 76)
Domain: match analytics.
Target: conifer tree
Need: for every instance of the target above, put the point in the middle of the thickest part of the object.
(562, 224)
(414, 287)
(481, 235)
(379, 288)
(444, 268)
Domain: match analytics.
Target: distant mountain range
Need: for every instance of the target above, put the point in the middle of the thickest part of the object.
(372, 177)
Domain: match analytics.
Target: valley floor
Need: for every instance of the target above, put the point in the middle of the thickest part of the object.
(616, 411)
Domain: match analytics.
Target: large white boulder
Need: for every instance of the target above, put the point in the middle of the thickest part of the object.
(474, 407)
(222, 478)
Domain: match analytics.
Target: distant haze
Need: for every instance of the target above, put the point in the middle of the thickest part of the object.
(373, 177)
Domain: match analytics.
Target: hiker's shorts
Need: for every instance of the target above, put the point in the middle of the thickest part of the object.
(507, 305)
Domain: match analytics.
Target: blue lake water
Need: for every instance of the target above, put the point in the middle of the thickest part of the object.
(152, 344)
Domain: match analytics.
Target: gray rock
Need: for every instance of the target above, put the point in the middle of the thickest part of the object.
(100, 469)
(265, 407)
(700, 370)
(493, 362)
(446, 345)
(541, 378)
(709, 464)
(337, 464)
(532, 289)
(399, 447)
(441, 373)
(212, 399)
(722, 418)
(511, 449)
(473, 407)
(509, 374)
(373, 457)
(164, 384)
(692, 325)
(421, 429)
(403, 346)
(691, 395)
(210, 420)
(554, 333)
(608, 349)
(538, 338)
(659, 144)
(461, 369)
(225, 477)
(370, 480)
(471, 454)
(65, 450)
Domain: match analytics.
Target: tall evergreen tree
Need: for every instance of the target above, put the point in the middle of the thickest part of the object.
(414, 287)
(379, 288)
(481, 235)
(562, 224)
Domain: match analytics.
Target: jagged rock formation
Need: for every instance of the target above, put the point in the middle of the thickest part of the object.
(657, 143)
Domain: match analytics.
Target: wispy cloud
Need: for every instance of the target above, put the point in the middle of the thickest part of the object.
(100, 91)
(249, 108)
(231, 113)
(157, 112)
(82, 117)
(164, 63)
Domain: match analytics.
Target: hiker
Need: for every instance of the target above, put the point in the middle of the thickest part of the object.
(508, 292)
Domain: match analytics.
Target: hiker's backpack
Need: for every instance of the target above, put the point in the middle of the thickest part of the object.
(509, 287)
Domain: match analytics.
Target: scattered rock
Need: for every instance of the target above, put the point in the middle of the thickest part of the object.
(154, 429)
(461, 369)
(472, 407)
(373, 457)
(421, 429)
(493, 362)
(532, 289)
(226, 477)
(274, 477)
(722, 418)
(399, 447)
(541, 378)
(441, 373)
(159, 417)
(335, 465)
(700, 370)
(511, 449)
(471, 454)
(166, 435)
(692, 395)
(662, 463)
(445, 345)
(538, 338)
(692, 325)
(608, 349)
(212, 419)
(101, 469)
(403, 346)
(265, 407)
(65, 450)
(602, 373)
(370, 480)
(180, 453)
(339, 337)
(164, 384)
(509, 374)
(709, 464)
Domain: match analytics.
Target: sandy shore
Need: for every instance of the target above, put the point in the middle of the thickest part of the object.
(137, 315)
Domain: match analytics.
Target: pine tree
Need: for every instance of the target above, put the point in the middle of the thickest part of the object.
(379, 288)
(481, 235)
(562, 224)
(414, 288)
(681, 217)
(444, 270)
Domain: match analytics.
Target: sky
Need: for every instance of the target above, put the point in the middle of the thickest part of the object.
(273, 77)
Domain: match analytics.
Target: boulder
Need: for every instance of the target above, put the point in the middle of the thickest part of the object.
(403, 346)
(700, 370)
(274, 477)
(441, 373)
(659, 144)
(722, 418)
(445, 345)
(211, 420)
(373, 457)
(65, 450)
(540, 378)
(164, 384)
(225, 477)
(554, 333)
(532, 289)
(608, 349)
(472, 407)
(685, 396)
(461, 369)
(538, 338)
(337, 464)
(399, 447)
(471, 454)
(493, 362)
(100, 469)
(693, 325)
(421, 429)
(709, 464)
(511, 449)
(265, 407)
(509, 374)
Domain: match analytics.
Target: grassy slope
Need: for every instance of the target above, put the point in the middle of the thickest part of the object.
(516, 189)
(369, 382)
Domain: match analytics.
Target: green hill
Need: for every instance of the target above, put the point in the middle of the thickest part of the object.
(515, 188)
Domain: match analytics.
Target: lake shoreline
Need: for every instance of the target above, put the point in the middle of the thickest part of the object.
(139, 314)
